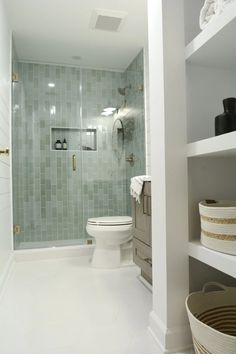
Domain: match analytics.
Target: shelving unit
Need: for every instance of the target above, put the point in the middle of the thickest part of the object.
(223, 262)
(215, 45)
(218, 146)
(211, 63)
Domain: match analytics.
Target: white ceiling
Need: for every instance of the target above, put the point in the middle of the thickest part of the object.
(53, 31)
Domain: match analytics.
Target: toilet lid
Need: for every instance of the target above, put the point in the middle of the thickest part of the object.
(111, 220)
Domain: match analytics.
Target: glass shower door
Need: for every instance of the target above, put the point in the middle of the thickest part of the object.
(47, 182)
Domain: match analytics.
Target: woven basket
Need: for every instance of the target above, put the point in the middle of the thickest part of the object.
(218, 225)
(212, 316)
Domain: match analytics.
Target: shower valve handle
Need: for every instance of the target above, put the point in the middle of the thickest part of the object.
(131, 159)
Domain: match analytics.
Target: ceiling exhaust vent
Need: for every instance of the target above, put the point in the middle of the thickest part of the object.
(107, 20)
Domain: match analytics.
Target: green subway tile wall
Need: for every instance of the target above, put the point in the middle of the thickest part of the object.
(134, 121)
(51, 202)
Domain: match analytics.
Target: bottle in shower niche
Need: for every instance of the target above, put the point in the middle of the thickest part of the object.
(226, 122)
(64, 144)
(58, 145)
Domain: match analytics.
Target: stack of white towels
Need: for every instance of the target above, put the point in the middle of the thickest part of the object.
(136, 185)
(211, 9)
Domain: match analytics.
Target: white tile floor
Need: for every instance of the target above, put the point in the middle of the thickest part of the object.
(66, 307)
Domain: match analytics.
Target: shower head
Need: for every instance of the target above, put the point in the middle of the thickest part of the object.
(122, 90)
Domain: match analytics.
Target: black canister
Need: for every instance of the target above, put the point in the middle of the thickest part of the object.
(226, 122)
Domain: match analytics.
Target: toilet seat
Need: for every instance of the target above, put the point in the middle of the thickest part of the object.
(110, 221)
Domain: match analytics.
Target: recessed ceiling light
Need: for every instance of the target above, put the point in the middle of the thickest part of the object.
(51, 84)
(110, 109)
(76, 57)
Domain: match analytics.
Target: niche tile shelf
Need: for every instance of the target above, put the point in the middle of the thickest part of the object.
(215, 45)
(77, 138)
(221, 261)
(217, 146)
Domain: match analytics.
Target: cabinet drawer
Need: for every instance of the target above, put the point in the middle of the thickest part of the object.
(143, 257)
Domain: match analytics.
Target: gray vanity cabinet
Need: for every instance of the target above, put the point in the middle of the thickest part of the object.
(142, 233)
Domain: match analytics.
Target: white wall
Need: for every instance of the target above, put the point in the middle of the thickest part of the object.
(204, 105)
(168, 321)
(192, 10)
(5, 141)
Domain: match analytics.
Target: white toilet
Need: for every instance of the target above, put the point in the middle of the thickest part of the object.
(112, 235)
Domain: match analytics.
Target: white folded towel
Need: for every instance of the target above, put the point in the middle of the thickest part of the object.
(211, 9)
(136, 185)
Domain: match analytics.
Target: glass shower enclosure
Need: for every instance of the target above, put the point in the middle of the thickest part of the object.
(47, 183)
(64, 167)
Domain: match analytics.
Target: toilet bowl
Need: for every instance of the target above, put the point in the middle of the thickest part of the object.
(110, 233)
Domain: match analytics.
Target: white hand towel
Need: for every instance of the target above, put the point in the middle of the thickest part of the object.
(211, 9)
(136, 186)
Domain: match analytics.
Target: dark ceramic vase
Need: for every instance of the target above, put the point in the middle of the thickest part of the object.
(226, 122)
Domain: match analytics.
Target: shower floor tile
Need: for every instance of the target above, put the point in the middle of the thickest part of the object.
(66, 307)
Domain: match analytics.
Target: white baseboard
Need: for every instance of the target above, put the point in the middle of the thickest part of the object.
(6, 273)
(53, 253)
(170, 341)
(145, 282)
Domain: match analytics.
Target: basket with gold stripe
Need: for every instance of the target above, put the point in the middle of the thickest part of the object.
(212, 317)
(218, 225)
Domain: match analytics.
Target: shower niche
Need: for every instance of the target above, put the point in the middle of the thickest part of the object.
(75, 139)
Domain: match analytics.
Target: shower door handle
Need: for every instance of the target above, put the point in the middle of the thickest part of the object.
(73, 162)
(4, 151)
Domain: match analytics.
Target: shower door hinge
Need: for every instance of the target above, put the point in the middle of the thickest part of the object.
(15, 77)
(16, 229)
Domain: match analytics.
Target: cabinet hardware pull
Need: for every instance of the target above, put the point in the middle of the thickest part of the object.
(145, 204)
(73, 162)
(149, 206)
(149, 261)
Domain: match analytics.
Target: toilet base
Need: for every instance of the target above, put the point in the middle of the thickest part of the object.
(113, 256)
(108, 257)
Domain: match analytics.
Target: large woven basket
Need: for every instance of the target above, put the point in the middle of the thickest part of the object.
(212, 316)
(218, 225)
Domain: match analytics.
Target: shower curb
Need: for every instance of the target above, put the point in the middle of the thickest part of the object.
(53, 253)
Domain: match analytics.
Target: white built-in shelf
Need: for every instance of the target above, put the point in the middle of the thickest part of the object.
(217, 146)
(216, 44)
(221, 261)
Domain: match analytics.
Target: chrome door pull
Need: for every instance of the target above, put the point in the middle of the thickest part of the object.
(4, 151)
(73, 162)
